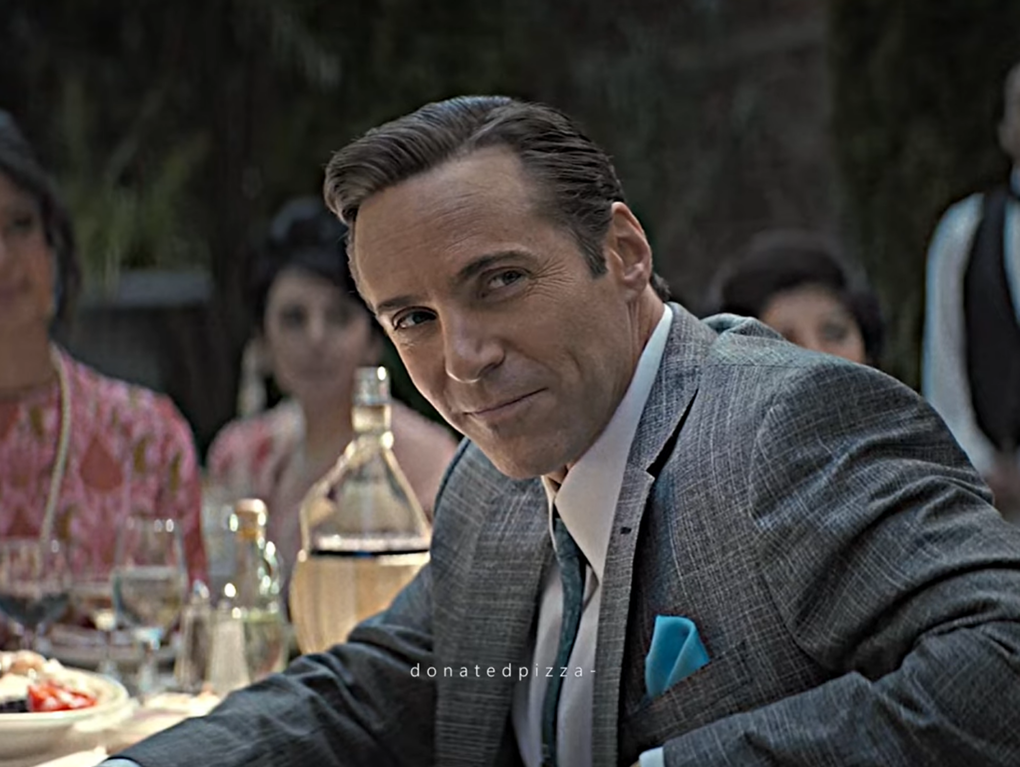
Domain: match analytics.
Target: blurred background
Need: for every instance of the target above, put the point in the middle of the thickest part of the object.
(177, 129)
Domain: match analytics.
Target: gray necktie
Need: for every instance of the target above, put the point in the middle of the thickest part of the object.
(571, 562)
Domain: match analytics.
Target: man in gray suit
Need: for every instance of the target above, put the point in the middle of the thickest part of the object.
(664, 540)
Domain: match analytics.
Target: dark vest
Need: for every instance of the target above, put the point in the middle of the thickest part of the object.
(992, 331)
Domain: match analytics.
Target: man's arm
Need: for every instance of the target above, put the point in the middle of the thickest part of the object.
(354, 705)
(888, 567)
(944, 366)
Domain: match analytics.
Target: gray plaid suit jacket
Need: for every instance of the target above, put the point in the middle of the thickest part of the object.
(857, 594)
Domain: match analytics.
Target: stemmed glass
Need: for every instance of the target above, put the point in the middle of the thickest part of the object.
(35, 584)
(92, 596)
(150, 582)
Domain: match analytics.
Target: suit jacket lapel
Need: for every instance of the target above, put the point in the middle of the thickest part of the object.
(671, 395)
(512, 552)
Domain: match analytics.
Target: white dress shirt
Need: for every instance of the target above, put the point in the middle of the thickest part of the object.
(944, 380)
(586, 501)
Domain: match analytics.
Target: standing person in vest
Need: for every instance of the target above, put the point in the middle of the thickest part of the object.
(971, 362)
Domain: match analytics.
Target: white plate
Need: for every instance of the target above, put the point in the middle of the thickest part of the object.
(22, 734)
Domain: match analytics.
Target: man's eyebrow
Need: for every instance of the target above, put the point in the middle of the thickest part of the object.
(392, 304)
(482, 263)
(468, 271)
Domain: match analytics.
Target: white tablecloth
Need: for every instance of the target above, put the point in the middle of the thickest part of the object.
(88, 743)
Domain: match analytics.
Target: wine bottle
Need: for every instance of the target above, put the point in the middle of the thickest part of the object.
(364, 534)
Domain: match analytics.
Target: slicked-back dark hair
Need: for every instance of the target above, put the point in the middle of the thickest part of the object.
(18, 162)
(575, 179)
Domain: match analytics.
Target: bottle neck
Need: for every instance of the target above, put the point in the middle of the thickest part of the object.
(372, 422)
(248, 553)
(254, 570)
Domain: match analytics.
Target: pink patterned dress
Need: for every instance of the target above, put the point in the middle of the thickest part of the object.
(129, 450)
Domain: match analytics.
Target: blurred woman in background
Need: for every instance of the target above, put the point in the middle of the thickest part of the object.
(794, 283)
(315, 332)
(79, 451)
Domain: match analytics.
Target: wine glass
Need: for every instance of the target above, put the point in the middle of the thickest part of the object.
(150, 583)
(92, 597)
(35, 585)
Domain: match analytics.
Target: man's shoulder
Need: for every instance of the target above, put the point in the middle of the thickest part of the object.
(720, 340)
(743, 342)
(750, 360)
(960, 218)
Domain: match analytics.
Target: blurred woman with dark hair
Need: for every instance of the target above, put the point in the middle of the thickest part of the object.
(78, 451)
(315, 331)
(794, 283)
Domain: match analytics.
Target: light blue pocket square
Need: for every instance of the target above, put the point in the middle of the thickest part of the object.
(676, 652)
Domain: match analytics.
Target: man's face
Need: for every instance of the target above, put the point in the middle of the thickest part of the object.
(1009, 128)
(495, 312)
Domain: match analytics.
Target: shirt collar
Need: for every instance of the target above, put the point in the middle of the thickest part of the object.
(587, 498)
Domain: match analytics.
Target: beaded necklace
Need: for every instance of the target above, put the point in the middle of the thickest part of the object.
(63, 446)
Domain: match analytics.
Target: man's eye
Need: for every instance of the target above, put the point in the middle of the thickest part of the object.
(503, 279)
(411, 319)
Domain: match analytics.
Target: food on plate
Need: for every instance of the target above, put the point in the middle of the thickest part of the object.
(31, 684)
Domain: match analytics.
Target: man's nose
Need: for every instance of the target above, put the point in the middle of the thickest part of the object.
(469, 349)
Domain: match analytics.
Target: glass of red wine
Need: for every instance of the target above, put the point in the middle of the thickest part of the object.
(35, 585)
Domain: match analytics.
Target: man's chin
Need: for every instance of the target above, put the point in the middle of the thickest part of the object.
(524, 465)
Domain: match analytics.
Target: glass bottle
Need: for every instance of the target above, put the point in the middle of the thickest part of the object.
(251, 598)
(364, 534)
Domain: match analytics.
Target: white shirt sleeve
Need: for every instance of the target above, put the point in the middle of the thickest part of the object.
(653, 758)
(944, 366)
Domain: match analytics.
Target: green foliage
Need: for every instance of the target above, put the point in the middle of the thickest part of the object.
(125, 222)
(179, 128)
(916, 97)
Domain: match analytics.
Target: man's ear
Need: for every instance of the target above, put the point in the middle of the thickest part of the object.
(628, 254)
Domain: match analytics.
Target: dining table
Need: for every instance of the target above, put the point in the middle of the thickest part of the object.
(91, 741)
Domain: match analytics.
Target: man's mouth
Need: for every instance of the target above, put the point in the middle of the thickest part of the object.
(503, 409)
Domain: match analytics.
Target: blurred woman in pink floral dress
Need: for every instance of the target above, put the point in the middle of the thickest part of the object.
(78, 451)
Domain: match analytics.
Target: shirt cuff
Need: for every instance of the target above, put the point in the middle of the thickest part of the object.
(654, 758)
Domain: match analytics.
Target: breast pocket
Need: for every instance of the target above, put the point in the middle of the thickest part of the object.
(716, 690)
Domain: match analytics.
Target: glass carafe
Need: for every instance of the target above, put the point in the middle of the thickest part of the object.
(364, 534)
(251, 598)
